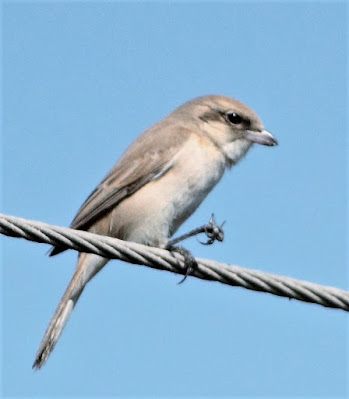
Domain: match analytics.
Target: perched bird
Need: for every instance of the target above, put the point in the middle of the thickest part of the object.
(157, 184)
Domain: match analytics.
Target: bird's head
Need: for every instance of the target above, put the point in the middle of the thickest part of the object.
(230, 124)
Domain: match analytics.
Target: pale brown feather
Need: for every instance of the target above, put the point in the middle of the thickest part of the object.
(145, 160)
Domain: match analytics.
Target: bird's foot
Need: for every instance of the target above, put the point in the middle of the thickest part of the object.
(190, 263)
(213, 231)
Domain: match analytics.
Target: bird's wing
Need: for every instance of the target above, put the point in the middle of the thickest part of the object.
(149, 157)
(120, 183)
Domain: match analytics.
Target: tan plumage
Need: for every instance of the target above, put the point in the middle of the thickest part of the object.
(157, 184)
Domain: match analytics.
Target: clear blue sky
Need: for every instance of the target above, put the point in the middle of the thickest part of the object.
(80, 82)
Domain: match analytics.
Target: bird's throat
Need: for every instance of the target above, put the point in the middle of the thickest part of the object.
(235, 150)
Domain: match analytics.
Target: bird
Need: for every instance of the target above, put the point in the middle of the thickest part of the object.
(158, 182)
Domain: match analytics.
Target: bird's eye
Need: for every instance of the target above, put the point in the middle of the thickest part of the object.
(234, 118)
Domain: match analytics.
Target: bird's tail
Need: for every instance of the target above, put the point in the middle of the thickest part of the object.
(88, 265)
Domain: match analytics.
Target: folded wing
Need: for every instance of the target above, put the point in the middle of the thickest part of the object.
(150, 157)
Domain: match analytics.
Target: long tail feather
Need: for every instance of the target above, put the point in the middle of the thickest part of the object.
(87, 267)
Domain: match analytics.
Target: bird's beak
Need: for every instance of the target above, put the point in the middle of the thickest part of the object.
(264, 137)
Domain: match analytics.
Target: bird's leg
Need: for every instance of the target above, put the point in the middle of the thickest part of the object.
(212, 231)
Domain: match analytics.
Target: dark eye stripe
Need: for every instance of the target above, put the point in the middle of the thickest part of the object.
(232, 117)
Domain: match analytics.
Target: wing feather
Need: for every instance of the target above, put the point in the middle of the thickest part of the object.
(114, 189)
(149, 157)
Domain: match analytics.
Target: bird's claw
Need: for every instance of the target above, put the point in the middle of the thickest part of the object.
(213, 232)
(190, 263)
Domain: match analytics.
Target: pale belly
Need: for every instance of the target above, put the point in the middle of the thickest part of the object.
(154, 213)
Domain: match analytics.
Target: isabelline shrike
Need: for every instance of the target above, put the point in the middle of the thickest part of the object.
(157, 184)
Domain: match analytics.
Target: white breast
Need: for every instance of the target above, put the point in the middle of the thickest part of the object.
(155, 212)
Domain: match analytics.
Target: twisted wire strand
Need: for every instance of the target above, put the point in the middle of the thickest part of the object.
(161, 259)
